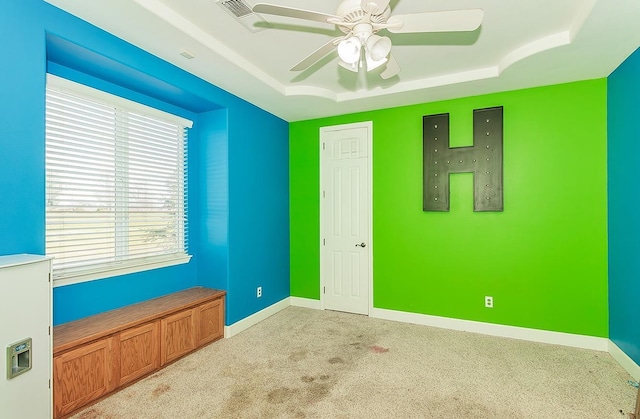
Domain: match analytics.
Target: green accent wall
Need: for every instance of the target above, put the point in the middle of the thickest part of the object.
(544, 259)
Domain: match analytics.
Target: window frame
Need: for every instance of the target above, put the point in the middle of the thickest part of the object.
(137, 264)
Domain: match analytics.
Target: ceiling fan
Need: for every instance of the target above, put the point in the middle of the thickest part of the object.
(361, 20)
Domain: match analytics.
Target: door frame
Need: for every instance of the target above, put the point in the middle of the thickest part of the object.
(369, 126)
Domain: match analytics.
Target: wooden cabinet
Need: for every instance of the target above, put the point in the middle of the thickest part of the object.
(97, 355)
(178, 335)
(83, 375)
(139, 351)
(209, 321)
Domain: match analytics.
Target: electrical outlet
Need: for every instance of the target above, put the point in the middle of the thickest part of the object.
(488, 301)
(259, 292)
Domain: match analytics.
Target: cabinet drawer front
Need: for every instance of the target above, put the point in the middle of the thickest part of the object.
(139, 351)
(178, 335)
(82, 375)
(210, 321)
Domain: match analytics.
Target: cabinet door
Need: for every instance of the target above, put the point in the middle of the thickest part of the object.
(139, 351)
(178, 335)
(210, 321)
(82, 375)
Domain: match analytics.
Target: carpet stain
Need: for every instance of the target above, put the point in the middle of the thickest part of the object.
(160, 374)
(298, 355)
(325, 377)
(307, 378)
(281, 394)
(298, 414)
(161, 389)
(317, 392)
(237, 403)
(336, 360)
(90, 414)
(356, 345)
(378, 349)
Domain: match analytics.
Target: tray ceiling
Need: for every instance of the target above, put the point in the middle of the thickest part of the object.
(520, 44)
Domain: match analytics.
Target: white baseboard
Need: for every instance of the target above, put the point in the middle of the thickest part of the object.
(522, 333)
(255, 318)
(306, 303)
(624, 360)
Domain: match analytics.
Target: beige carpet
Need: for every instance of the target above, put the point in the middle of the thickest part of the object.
(303, 363)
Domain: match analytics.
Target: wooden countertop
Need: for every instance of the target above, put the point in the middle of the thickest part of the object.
(69, 335)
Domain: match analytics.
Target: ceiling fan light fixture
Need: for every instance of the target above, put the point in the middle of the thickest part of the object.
(351, 67)
(360, 20)
(373, 64)
(349, 50)
(378, 47)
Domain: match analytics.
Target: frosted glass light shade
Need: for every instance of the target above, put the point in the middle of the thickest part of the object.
(351, 67)
(349, 50)
(378, 47)
(373, 64)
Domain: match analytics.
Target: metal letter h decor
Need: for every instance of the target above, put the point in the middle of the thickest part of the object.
(483, 159)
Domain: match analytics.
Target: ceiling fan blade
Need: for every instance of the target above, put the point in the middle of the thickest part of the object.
(447, 21)
(375, 7)
(271, 9)
(392, 68)
(317, 55)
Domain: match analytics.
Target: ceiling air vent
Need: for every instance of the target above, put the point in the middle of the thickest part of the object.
(238, 8)
(242, 12)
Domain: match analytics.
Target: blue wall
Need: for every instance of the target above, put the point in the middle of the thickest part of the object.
(258, 212)
(22, 79)
(37, 36)
(623, 160)
(213, 211)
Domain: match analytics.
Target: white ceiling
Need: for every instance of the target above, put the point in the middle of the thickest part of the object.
(521, 43)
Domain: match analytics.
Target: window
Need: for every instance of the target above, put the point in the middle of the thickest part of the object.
(115, 184)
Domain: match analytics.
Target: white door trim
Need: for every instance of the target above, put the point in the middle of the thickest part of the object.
(369, 126)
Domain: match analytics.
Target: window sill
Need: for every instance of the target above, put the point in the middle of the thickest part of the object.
(131, 267)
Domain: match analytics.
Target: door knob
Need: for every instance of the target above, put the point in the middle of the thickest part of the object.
(363, 244)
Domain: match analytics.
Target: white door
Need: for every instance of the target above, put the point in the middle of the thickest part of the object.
(345, 217)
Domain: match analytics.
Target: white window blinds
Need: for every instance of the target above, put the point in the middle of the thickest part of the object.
(115, 184)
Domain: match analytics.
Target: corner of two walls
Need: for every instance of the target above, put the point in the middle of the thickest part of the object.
(623, 157)
(243, 211)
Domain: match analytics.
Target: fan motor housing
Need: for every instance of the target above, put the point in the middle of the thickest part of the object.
(351, 11)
